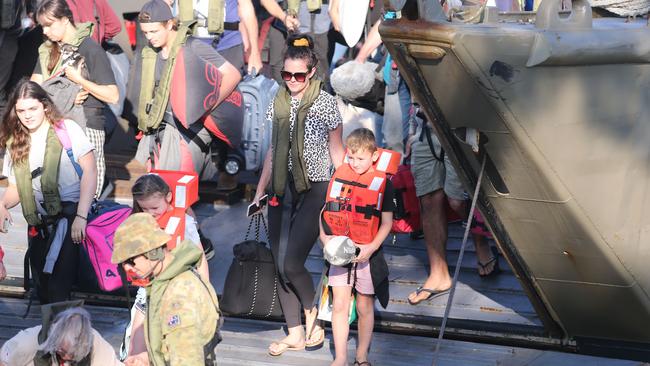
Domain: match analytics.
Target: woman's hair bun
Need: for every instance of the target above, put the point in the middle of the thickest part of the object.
(300, 40)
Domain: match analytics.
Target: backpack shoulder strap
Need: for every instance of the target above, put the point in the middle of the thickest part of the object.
(427, 133)
(64, 138)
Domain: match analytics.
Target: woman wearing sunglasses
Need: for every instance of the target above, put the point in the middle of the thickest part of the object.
(306, 142)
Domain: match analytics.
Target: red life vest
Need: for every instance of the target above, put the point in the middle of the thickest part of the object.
(353, 204)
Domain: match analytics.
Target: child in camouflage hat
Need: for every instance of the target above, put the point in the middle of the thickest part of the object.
(183, 330)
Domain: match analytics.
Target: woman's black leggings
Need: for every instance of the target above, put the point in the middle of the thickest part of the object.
(297, 292)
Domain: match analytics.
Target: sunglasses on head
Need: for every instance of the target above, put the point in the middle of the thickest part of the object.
(299, 76)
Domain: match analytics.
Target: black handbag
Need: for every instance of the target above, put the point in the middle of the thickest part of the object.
(251, 287)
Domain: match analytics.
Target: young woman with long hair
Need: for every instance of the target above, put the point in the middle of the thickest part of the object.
(44, 179)
(93, 75)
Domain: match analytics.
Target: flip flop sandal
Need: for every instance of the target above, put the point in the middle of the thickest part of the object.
(362, 363)
(310, 344)
(432, 294)
(495, 269)
(285, 347)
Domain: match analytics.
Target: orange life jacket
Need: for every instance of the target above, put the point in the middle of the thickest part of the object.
(388, 161)
(173, 222)
(183, 185)
(353, 204)
(185, 192)
(184, 188)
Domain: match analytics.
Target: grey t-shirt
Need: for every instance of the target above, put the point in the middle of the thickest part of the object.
(322, 20)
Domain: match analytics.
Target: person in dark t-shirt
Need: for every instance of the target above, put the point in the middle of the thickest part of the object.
(93, 74)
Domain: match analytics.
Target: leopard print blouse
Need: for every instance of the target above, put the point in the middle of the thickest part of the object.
(323, 116)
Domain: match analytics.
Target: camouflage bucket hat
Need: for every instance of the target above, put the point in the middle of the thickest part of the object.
(340, 250)
(138, 234)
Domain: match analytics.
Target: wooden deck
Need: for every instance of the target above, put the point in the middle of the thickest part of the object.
(494, 308)
(245, 343)
(483, 308)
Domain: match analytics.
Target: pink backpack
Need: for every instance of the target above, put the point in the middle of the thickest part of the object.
(103, 220)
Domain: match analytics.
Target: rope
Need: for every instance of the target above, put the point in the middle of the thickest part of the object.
(454, 281)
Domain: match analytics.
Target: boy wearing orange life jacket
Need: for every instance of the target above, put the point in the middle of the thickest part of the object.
(359, 204)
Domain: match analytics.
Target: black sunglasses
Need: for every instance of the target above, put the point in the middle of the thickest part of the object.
(299, 76)
(130, 261)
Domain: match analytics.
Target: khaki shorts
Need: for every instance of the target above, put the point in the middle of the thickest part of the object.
(430, 174)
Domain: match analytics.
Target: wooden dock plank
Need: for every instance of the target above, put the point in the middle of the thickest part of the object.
(495, 300)
(245, 342)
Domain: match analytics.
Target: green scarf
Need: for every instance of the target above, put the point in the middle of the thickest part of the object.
(281, 141)
(186, 256)
(84, 30)
(153, 99)
(294, 5)
(49, 181)
(216, 9)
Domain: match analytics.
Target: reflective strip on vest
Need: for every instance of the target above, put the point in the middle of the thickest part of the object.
(173, 222)
(353, 204)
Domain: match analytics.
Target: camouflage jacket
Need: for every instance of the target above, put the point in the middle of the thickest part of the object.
(182, 312)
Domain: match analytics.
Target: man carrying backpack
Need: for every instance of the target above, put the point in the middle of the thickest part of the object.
(181, 329)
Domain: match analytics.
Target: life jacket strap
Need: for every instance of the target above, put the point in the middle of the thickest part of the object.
(368, 211)
(351, 183)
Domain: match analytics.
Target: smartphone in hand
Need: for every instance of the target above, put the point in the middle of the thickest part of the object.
(253, 208)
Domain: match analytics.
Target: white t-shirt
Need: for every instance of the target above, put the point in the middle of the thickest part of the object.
(69, 187)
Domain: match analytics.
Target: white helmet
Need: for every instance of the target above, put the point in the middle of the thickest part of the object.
(340, 250)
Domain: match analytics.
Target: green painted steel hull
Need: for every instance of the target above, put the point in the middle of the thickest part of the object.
(570, 139)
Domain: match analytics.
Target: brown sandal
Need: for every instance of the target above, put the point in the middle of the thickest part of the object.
(321, 339)
(362, 363)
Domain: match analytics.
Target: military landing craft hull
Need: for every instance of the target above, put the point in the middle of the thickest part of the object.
(562, 107)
